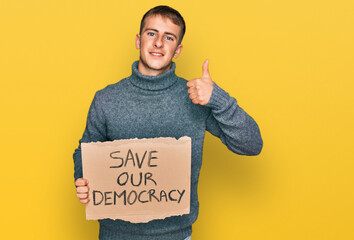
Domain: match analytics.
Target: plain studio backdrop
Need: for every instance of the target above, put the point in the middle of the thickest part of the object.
(288, 63)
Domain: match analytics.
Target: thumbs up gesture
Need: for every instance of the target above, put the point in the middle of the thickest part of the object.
(200, 89)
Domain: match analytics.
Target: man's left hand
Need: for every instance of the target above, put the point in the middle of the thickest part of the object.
(200, 89)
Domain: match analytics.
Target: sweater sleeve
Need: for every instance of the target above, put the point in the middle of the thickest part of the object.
(95, 131)
(235, 128)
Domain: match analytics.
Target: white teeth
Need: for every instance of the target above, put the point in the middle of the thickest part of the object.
(156, 54)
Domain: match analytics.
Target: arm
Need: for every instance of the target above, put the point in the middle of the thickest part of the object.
(228, 121)
(95, 131)
(235, 128)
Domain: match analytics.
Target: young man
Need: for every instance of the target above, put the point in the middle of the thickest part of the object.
(154, 102)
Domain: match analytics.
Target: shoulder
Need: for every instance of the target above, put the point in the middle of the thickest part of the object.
(111, 90)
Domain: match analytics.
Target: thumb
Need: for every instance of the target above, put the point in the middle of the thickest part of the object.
(206, 68)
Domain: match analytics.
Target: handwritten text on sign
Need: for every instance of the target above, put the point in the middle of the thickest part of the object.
(138, 180)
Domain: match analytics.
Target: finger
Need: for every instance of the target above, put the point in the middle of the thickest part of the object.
(82, 195)
(193, 96)
(202, 103)
(193, 82)
(190, 83)
(82, 190)
(206, 68)
(192, 90)
(195, 101)
(81, 182)
(84, 200)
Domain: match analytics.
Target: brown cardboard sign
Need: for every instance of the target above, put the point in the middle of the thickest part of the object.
(138, 180)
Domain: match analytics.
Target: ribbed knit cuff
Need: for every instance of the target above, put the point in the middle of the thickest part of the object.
(219, 98)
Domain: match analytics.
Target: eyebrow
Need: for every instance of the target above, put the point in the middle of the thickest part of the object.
(155, 30)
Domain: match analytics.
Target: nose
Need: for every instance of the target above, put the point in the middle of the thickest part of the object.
(158, 42)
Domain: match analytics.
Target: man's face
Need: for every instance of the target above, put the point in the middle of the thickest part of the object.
(158, 44)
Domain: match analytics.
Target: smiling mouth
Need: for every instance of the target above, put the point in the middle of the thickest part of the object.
(156, 54)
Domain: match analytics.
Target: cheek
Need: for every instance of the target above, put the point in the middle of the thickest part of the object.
(144, 42)
(174, 52)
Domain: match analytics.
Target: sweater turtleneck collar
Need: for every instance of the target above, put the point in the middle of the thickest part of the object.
(158, 82)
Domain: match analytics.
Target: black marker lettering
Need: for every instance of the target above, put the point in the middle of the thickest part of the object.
(163, 195)
(171, 198)
(151, 194)
(130, 156)
(151, 157)
(131, 179)
(119, 181)
(140, 164)
(95, 199)
(135, 197)
(107, 198)
(124, 194)
(181, 194)
(114, 157)
(148, 176)
(140, 198)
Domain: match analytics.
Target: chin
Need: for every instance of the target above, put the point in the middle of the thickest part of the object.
(158, 66)
(155, 64)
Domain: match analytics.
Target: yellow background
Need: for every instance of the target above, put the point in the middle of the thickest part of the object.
(288, 63)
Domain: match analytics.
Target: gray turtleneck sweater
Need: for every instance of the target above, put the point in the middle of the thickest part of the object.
(142, 106)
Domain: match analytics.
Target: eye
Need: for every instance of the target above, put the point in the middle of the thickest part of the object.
(169, 38)
(151, 34)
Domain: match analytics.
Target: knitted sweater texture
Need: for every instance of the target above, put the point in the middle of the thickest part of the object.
(142, 106)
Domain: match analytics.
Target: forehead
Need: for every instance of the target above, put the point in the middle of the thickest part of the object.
(161, 24)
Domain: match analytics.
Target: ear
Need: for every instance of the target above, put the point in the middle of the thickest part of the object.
(137, 41)
(178, 51)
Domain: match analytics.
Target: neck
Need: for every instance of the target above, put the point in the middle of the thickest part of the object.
(158, 82)
(146, 70)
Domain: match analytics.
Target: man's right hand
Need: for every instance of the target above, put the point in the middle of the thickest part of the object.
(82, 190)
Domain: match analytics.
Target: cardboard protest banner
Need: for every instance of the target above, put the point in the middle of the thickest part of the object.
(138, 180)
